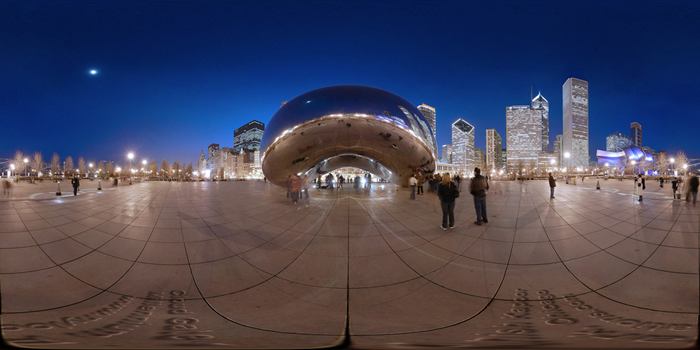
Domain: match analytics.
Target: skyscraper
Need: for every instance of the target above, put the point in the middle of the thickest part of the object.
(248, 136)
(557, 149)
(447, 153)
(575, 136)
(479, 159)
(541, 104)
(494, 143)
(617, 142)
(463, 146)
(636, 134)
(523, 137)
(430, 115)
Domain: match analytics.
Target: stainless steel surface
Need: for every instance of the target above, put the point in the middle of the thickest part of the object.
(312, 130)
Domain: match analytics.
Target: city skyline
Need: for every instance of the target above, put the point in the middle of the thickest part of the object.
(101, 88)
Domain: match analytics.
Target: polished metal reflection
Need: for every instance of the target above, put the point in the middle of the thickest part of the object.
(347, 120)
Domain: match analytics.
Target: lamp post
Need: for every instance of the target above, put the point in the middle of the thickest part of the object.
(12, 169)
(673, 166)
(90, 165)
(130, 156)
(26, 161)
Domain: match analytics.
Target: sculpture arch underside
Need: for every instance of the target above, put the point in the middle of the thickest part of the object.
(327, 143)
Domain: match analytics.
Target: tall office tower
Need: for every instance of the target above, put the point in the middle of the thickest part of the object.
(447, 153)
(575, 137)
(201, 162)
(430, 115)
(248, 136)
(541, 104)
(479, 159)
(463, 146)
(494, 144)
(523, 137)
(636, 134)
(617, 142)
(504, 157)
(557, 149)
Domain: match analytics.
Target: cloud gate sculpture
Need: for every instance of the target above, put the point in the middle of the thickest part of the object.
(356, 126)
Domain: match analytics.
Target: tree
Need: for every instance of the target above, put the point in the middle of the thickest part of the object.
(19, 162)
(82, 168)
(38, 162)
(68, 166)
(188, 171)
(165, 169)
(55, 164)
(101, 168)
(109, 170)
(681, 160)
(153, 168)
(662, 163)
(176, 169)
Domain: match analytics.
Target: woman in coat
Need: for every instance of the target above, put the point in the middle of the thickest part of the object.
(447, 192)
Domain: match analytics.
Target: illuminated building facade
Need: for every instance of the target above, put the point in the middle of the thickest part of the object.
(431, 117)
(636, 134)
(523, 137)
(463, 146)
(575, 136)
(540, 104)
(494, 145)
(248, 136)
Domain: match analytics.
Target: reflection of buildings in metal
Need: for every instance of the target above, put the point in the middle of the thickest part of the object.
(339, 126)
(619, 160)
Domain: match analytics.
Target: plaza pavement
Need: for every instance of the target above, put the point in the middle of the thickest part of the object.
(234, 264)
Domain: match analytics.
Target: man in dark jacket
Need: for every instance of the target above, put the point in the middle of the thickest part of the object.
(478, 187)
(76, 183)
(694, 182)
(552, 184)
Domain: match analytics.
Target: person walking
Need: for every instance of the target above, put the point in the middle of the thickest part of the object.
(447, 193)
(413, 182)
(419, 185)
(478, 187)
(458, 181)
(641, 186)
(674, 186)
(693, 183)
(6, 188)
(341, 181)
(295, 188)
(552, 185)
(76, 184)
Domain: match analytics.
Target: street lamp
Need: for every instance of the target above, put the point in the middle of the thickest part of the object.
(12, 169)
(25, 160)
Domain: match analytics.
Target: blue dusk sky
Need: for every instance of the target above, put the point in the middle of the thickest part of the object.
(175, 76)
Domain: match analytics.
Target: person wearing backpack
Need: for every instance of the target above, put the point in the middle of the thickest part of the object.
(447, 192)
(478, 187)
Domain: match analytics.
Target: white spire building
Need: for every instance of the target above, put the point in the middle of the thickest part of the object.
(540, 104)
